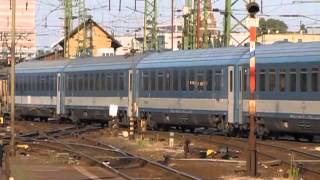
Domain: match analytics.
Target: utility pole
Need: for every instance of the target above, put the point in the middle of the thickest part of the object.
(252, 8)
(13, 73)
(67, 26)
(150, 40)
(172, 23)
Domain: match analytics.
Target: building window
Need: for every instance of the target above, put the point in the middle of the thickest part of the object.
(303, 80)
(272, 79)
(262, 80)
(315, 79)
(282, 80)
(293, 80)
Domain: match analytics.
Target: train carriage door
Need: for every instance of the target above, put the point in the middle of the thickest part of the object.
(58, 110)
(240, 93)
(130, 93)
(230, 94)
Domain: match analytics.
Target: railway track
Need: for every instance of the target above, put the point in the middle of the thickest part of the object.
(121, 163)
(308, 162)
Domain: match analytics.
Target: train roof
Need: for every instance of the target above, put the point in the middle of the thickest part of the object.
(275, 53)
(286, 53)
(81, 64)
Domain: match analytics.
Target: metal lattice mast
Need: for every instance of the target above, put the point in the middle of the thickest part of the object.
(150, 41)
(205, 37)
(227, 23)
(239, 25)
(67, 26)
(84, 30)
(189, 29)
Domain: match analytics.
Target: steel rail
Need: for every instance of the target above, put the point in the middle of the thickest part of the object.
(184, 174)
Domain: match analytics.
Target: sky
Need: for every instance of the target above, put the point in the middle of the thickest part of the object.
(49, 15)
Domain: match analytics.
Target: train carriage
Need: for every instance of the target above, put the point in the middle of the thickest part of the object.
(185, 89)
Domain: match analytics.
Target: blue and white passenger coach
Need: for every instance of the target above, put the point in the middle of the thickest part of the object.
(185, 89)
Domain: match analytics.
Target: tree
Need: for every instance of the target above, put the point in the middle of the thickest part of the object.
(271, 26)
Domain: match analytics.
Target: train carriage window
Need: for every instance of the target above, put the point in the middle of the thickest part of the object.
(97, 82)
(175, 80)
(192, 82)
(168, 79)
(231, 81)
(315, 79)
(218, 80)
(38, 83)
(43, 83)
(109, 81)
(69, 84)
(153, 80)
(103, 82)
(146, 81)
(245, 79)
(25, 83)
(47, 83)
(17, 84)
(272, 79)
(121, 81)
(183, 80)
(303, 80)
(74, 81)
(91, 82)
(115, 81)
(86, 82)
(209, 80)
(262, 80)
(160, 80)
(293, 80)
(201, 82)
(282, 80)
(80, 82)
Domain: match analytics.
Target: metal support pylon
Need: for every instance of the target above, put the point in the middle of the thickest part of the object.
(240, 22)
(150, 41)
(189, 35)
(67, 26)
(84, 31)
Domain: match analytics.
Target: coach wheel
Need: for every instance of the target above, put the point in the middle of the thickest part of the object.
(296, 137)
(310, 138)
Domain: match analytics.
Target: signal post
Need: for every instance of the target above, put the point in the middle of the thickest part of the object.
(252, 8)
